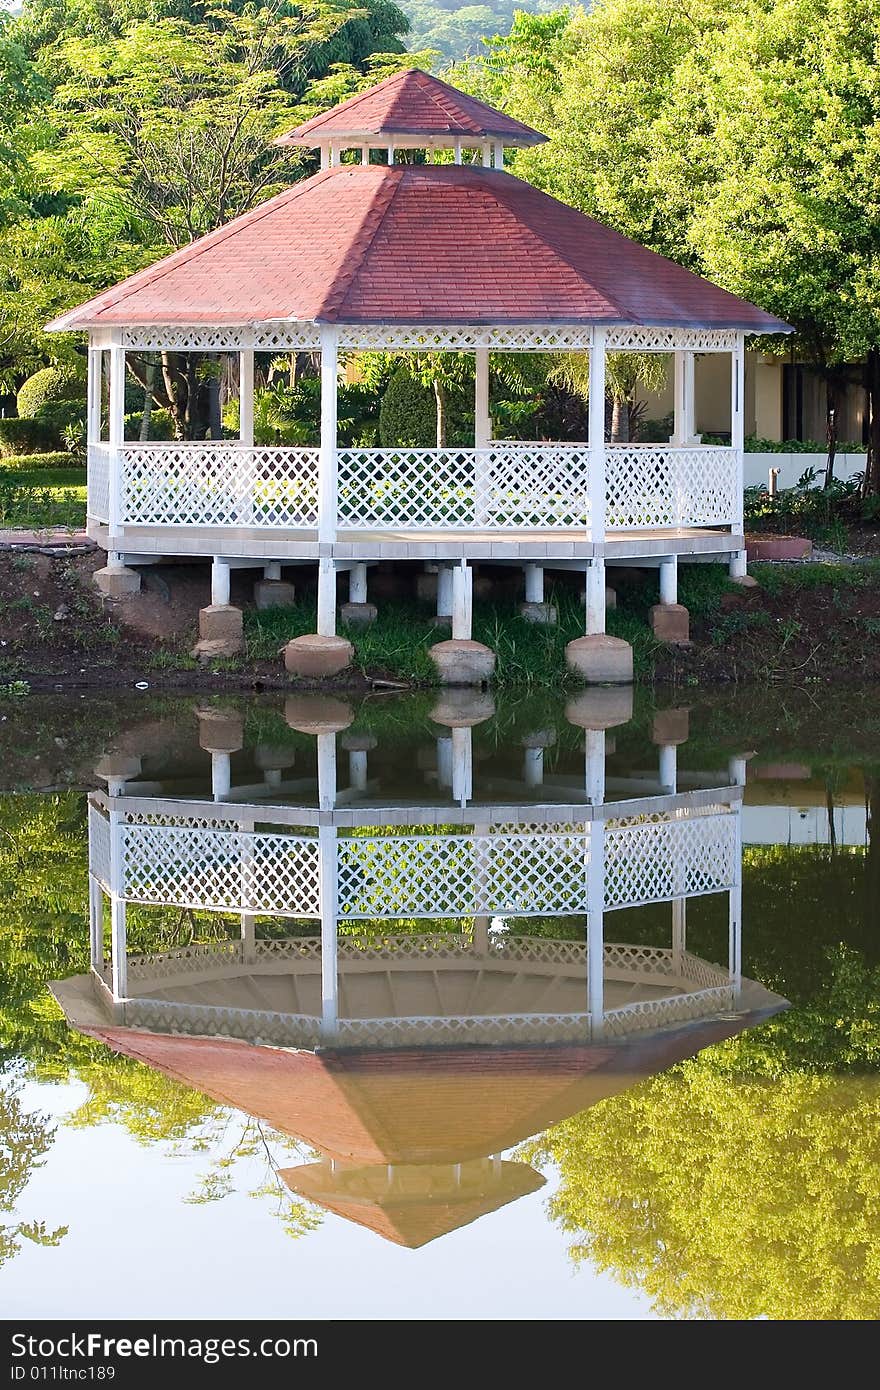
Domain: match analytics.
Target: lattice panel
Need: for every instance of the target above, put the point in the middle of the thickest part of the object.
(215, 1020)
(623, 960)
(655, 1013)
(221, 870)
(649, 488)
(406, 876)
(675, 859)
(219, 485)
(642, 339)
(526, 875)
(194, 958)
(702, 973)
(456, 1030)
(98, 482)
(534, 485)
(99, 848)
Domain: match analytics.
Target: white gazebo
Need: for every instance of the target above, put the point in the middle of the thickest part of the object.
(449, 254)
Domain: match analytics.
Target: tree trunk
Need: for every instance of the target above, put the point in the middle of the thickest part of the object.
(619, 421)
(442, 407)
(149, 383)
(832, 402)
(215, 419)
(175, 389)
(871, 485)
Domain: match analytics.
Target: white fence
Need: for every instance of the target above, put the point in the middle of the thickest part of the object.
(507, 487)
(425, 876)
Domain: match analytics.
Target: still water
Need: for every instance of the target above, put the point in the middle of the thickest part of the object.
(440, 1007)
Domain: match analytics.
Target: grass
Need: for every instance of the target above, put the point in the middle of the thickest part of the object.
(43, 497)
(780, 579)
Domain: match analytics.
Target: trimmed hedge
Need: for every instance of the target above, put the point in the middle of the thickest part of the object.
(26, 436)
(26, 463)
(408, 413)
(64, 382)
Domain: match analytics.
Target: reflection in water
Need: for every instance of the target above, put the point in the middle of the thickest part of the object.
(374, 918)
(361, 945)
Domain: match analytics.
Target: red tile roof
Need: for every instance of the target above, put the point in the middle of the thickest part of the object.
(432, 244)
(412, 103)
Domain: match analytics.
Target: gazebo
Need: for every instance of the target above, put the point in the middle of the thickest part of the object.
(412, 237)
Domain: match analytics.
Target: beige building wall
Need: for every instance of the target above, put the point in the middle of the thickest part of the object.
(763, 395)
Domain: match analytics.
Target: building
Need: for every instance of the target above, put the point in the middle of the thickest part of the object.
(450, 254)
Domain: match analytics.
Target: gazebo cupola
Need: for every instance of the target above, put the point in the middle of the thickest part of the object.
(412, 111)
(381, 251)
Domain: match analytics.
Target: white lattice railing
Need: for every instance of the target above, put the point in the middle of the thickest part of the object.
(217, 484)
(98, 482)
(508, 487)
(99, 848)
(677, 1008)
(657, 486)
(422, 875)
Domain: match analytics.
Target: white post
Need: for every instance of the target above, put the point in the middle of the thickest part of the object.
(499, 154)
(118, 944)
(738, 565)
(246, 397)
(734, 943)
(96, 925)
(93, 397)
(487, 154)
(597, 438)
(221, 774)
(482, 434)
(365, 154)
(736, 771)
(684, 430)
(247, 918)
(596, 929)
(357, 769)
(390, 154)
(325, 157)
(220, 582)
(668, 768)
(594, 618)
(444, 591)
(669, 579)
(462, 601)
(327, 893)
(533, 767)
(481, 887)
(594, 766)
(679, 934)
(327, 460)
(326, 771)
(116, 418)
(462, 765)
(534, 583)
(357, 584)
(326, 598)
(444, 761)
(738, 427)
(272, 570)
(456, 151)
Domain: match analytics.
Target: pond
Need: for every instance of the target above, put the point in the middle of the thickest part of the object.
(440, 1006)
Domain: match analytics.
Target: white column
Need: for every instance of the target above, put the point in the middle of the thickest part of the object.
(462, 601)
(738, 564)
(499, 154)
(487, 154)
(734, 940)
(444, 761)
(247, 918)
(444, 591)
(679, 934)
(482, 419)
(118, 944)
(462, 765)
(597, 437)
(327, 893)
(96, 924)
(596, 929)
(326, 771)
(456, 148)
(116, 417)
(93, 396)
(534, 583)
(669, 579)
(246, 396)
(684, 429)
(533, 767)
(390, 154)
(272, 570)
(326, 598)
(736, 771)
(220, 581)
(738, 426)
(221, 774)
(327, 462)
(668, 768)
(594, 766)
(357, 769)
(365, 154)
(481, 888)
(357, 584)
(594, 617)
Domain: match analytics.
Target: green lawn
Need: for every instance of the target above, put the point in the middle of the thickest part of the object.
(42, 497)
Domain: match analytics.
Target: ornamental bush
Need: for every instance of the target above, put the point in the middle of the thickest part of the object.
(27, 463)
(63, 382)
(408, 413)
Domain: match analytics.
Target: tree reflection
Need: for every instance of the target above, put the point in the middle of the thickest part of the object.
(26, 1138)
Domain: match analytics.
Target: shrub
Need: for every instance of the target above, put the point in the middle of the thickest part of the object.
(161, 424)
(65, 382)
(58, 415)
(26, 436)
(27, 462)
(408, 415)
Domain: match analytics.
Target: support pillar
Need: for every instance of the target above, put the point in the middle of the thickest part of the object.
(736, 771)
(444, 595)
(358, 611)
(115, 580)
(444, 761)
(670, 620)
(118, 940)
(326, 598)
(596, 930)
(734, 917)
(220, 575)
(328, 895)
(535, 610)
(594, 598)
(462, 601)
(594, 766)
(221, 774)
(116, 438)
(357, 769)
(247, 918)
(327, 458)
(96, 925)
(272, 591)
(462, 661)
(481, 935)
(679, 934)
(482, 436)
(220, 625)
(669, 579)
(668, 768)
(684, 407)
(738, 564)
(533, 767)
(597, 437)
(326, 748)
(462, 765)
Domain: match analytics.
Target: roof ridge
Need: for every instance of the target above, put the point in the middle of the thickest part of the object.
(114, 296)
(356, 98)
(434, 96)
(380, 205)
